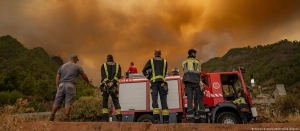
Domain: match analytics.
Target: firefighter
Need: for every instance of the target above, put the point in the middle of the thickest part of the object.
(191, 79)
(158, 67)
(110, 73)
(242, 106)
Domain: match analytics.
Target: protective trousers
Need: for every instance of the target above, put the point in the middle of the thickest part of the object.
(115, 99)
(155, 89)
(244, 117)
(198, 101)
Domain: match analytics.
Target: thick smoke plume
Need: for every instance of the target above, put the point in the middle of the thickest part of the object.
(132, 30)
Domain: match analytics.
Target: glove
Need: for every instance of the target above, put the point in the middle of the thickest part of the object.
(202, 86)
(111, 88)
(102, 88)
(148, 74)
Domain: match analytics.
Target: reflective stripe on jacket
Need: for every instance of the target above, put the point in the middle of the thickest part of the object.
(191, 69)
(159, 68)
(110, 72)
(240, 100)
(154, 76)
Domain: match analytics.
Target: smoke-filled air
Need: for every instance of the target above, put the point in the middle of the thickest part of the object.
(131, 30)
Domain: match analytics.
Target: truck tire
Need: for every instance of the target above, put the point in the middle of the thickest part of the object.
(228, 118)
(146, 118)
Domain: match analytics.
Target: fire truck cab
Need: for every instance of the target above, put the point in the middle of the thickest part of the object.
(221, 89)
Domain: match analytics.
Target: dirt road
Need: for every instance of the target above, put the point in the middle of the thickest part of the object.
(128, 126)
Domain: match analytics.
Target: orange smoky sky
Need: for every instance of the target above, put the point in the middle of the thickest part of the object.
(131, 30)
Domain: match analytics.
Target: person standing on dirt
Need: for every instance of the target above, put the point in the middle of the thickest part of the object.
(191, 78)
(132, 69)
(110, 73)
(159, 85)
(66, 86)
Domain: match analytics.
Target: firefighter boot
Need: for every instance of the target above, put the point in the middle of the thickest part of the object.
(202, 116)
(190, 116)
(156, 119)
(105, 117)
(166, 119)
(190, 120)
(197, 117)
(119, 118)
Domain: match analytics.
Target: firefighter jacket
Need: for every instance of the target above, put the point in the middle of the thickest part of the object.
(240, 100)
(191, 69)
(159, 67)
(110, 72)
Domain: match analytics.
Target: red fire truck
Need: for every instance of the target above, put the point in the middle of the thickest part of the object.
(220, 91)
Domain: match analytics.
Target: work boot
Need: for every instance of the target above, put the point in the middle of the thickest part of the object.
(67, 118)
(166, 119)
(105, 117)
(156, 119)
(52, 116)
(190, 120)
(156, 122)
(197, 117)
(202, 116)
(119, 118)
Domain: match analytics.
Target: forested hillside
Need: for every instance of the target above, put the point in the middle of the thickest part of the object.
(272, 64)
(28, 73)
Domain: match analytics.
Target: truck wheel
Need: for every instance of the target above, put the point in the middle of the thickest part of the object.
(146, 118)
(228, 118)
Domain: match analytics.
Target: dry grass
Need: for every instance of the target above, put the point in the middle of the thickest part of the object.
(278, 119)
(271, 114)
(11, 117)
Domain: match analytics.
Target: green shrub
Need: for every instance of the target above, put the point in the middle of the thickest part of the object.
(7, 97)
(86, 108)
(287, 105)
(84, 92)
(3, 98)
(14, 96)
(38, 106)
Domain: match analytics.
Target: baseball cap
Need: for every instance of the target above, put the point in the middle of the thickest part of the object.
(74, 57)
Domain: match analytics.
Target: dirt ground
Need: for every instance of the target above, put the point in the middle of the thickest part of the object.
(128, 126)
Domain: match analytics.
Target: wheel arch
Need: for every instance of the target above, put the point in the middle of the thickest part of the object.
(139, 114)
(223, 107)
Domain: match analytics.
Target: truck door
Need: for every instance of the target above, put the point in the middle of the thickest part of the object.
(213, 93)
(231, 83)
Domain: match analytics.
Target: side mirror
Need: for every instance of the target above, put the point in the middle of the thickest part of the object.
(243, 69)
